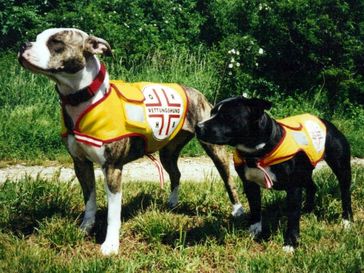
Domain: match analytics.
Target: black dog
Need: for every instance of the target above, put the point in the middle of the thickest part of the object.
(242, 123)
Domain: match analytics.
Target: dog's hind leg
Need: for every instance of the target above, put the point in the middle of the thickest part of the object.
(220, 157)
(114, 196)
(169, 157)
(337, 156)
(86, 176)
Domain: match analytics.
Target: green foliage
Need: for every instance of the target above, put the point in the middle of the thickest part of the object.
(302, 55)
(197, 236)
(290, 47)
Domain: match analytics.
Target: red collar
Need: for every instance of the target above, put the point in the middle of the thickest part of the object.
(86, 93)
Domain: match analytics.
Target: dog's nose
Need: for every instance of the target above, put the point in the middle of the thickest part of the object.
(24, 47)
(199, 128)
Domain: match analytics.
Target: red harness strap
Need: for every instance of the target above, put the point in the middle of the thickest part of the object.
(159, 167)
(86, 93)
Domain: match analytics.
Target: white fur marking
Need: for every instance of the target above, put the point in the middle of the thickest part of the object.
(288, 249)
(173, 198)
(346, 224)
(111, 244)
(256, 228)
(243, 148)
(257, 176)
(237, 210)
(77, 149)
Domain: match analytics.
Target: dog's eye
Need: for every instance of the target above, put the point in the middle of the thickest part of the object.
(56, 45)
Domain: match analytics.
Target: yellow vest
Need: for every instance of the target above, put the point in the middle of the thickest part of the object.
(304, 132)
(153, 111)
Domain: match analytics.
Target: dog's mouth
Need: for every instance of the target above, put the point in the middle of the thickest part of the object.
(28, 65)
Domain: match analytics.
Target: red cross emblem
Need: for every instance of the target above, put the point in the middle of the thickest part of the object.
(164, 108)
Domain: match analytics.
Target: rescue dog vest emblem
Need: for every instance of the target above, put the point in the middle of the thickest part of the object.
(164, 107)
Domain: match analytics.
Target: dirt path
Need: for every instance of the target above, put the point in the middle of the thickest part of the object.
(192, 169)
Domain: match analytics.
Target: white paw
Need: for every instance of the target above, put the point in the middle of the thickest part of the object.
(346, 224)
(87, 224)
(110, 248)
(173, 198)
(288, 249)
(237, 210)
(256, 228)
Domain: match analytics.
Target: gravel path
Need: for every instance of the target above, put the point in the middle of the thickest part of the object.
(192, 169)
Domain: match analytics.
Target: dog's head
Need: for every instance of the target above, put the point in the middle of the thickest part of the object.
(233, 121)
(64, 50)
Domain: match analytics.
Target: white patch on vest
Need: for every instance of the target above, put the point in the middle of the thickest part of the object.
(164, 107)
(317, 135)
(300, 138)
(134, 112)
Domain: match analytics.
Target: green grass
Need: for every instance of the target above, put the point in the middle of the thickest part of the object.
(39, 230)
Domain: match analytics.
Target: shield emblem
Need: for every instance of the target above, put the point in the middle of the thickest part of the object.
(164, 109)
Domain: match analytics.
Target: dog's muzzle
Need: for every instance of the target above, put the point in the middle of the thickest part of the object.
(199, 128)
(24, 47)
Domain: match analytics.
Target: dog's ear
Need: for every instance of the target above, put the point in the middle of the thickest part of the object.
(260, 103)
(258, 106)
(95, 45)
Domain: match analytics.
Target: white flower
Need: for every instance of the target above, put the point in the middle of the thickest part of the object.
(256, 64)
(230, 73)
(232, 60)
(230, 65)
(245, 95)
(260, 51)
(237, 52)
(237, 64)
(140, 29)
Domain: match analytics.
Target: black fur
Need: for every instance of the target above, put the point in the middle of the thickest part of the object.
(243, 121)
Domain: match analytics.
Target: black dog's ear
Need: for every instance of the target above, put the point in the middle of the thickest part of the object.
(260, 103)
(258, 106)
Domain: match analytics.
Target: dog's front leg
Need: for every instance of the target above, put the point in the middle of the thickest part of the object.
(252, 192)
(294, 202)
(85, 174)
(114, 196)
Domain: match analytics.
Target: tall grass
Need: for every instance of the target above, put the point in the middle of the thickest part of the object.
(30, 112)
(39, 230)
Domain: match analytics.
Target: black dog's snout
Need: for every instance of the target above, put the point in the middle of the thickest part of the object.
(199, 128)
(25, 46)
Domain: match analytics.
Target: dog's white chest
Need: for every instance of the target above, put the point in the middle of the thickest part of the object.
(257, 175)
(81, 151)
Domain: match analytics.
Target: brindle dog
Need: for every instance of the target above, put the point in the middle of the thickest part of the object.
(68, 57)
